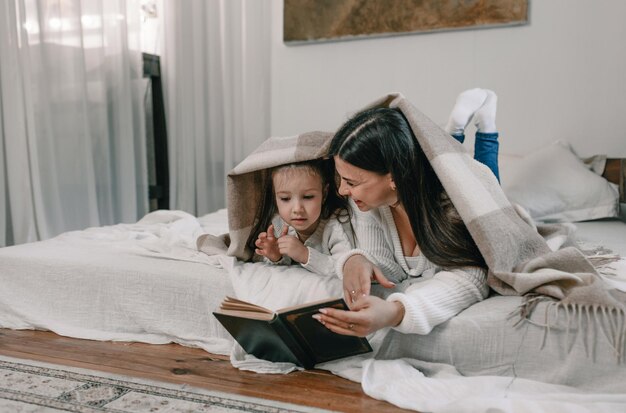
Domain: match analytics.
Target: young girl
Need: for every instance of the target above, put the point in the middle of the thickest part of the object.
(302, 218)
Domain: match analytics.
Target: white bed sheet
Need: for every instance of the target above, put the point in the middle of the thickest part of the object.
(147, 282)
(141, 282)
(609, 233)
(480, 360)
(215, 223)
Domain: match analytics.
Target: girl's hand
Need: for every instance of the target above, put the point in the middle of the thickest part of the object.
(292, 247)
(267, 245)
(368, 314)
(358, 273)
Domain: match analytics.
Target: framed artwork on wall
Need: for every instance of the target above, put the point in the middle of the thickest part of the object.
(336, 20)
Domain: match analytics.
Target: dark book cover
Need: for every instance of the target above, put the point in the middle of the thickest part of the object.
(291, 335)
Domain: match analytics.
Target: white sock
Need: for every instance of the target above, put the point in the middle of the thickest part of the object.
(485, 117)
(466, 104)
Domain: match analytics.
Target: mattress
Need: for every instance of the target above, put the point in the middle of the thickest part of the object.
(609, 233)
(131, 282)
(487, 340)
(147, 282)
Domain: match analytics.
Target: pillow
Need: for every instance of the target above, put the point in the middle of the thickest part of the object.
(554, 185)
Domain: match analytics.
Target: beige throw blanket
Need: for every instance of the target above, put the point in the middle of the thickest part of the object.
(245, 184)
(519, 260)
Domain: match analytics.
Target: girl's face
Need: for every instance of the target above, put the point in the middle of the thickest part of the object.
(368, 189)
(299, 196)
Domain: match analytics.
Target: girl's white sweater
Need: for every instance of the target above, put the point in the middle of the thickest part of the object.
(330, 240)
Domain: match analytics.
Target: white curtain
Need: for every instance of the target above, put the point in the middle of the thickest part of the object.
(216, 65)
(72, 125)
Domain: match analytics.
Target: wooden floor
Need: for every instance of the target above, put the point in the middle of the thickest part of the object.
(195, 367)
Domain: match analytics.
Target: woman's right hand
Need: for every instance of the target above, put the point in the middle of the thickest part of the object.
(368, 315)
(358, 273)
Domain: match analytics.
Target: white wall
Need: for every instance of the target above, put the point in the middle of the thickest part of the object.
(561, 76)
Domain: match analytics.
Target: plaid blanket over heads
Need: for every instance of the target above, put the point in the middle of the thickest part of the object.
(246, 182)
(519, 260)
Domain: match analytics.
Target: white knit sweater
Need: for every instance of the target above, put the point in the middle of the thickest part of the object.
(434, 294)
(328, 243)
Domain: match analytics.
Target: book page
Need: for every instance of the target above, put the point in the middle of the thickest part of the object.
(247, 314)
(233, 304)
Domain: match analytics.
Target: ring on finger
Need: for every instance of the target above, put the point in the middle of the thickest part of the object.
(350, 326)
(353, 292)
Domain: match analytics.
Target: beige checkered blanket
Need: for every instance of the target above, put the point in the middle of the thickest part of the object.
(519, 260)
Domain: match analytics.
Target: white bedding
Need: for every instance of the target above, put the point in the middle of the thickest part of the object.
(146, 282)
(497, 366)
(608, 233)
(140, 282)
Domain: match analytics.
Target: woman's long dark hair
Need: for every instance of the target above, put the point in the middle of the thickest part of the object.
(333, 203)
(380, 140)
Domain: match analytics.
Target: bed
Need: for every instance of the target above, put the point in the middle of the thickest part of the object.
(138, 282)
(147, 282)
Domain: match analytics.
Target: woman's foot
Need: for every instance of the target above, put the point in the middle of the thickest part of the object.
(467, 103)
(485, 116)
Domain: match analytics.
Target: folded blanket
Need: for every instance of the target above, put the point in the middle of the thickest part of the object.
(519, 259)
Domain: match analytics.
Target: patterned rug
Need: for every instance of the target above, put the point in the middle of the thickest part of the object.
(29, 386)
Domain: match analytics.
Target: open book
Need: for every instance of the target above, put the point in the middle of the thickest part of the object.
(290, 334)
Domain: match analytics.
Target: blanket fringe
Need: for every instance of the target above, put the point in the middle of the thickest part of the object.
(599, 259)
(580, 320)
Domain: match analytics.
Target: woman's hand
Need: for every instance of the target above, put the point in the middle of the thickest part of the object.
(358, 273)
(368, 314)
(267, 245)
(292, 247)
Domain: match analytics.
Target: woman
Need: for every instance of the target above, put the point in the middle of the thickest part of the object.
(406, 226)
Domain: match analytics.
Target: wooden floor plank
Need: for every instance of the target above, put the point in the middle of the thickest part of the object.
(195, 367)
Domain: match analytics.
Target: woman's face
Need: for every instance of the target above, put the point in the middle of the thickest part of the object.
(368, 189)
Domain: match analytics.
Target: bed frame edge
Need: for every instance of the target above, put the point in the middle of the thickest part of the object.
(615, 171)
